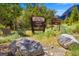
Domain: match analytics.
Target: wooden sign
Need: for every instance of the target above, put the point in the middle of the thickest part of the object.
(56, 21)
(38, 23)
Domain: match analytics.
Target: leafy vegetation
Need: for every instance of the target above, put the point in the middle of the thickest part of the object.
(74, 50)
(18, 19)
(9, 38)
(8, 14)
(72, 25)
(74, 16)
(47, 38)
(36, 10)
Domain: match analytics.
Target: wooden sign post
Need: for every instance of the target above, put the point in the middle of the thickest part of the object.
(38, 23)
(56, 21)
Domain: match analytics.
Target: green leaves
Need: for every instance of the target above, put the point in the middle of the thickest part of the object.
(37, 10)
(74, 14)
(9, 12)
(12, 14)
(74, 48)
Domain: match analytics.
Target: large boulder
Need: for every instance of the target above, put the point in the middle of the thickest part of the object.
(66, 40)
(26, 47)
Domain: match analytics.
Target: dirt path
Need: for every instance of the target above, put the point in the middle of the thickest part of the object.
(55, 51)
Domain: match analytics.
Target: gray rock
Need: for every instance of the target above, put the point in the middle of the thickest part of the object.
(26, 47)
(66, 40)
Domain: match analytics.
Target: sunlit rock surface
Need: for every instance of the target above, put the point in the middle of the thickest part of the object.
(66, 40)
(26, 47)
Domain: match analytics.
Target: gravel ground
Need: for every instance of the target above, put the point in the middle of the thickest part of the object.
(55, 51)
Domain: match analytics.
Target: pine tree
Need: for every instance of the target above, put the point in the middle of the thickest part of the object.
(74, 15)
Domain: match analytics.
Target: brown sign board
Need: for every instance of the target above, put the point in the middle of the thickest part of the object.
(56, 21)
(38, 23)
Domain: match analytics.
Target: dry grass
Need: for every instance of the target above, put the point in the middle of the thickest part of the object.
(45, 41)
(28, 33)
(48, 38)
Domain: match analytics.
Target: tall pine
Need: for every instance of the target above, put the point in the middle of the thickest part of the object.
(74, 14)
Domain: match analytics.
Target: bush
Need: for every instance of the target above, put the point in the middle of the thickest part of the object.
(21, 32)
(9, 38)
(51, 32)
(48, 33)
(66, 29)
(76, 29)
(2, 26)
(74, 48)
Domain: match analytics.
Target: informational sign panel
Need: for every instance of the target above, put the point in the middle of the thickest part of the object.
(38, 23)
(56, 21)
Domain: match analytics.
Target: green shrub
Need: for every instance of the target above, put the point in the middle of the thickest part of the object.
(2, 26)
(74, 48)
(47, 34)
(76, 29)
(51, 32)
(21, 32)
(9, 38)
(66, 29)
